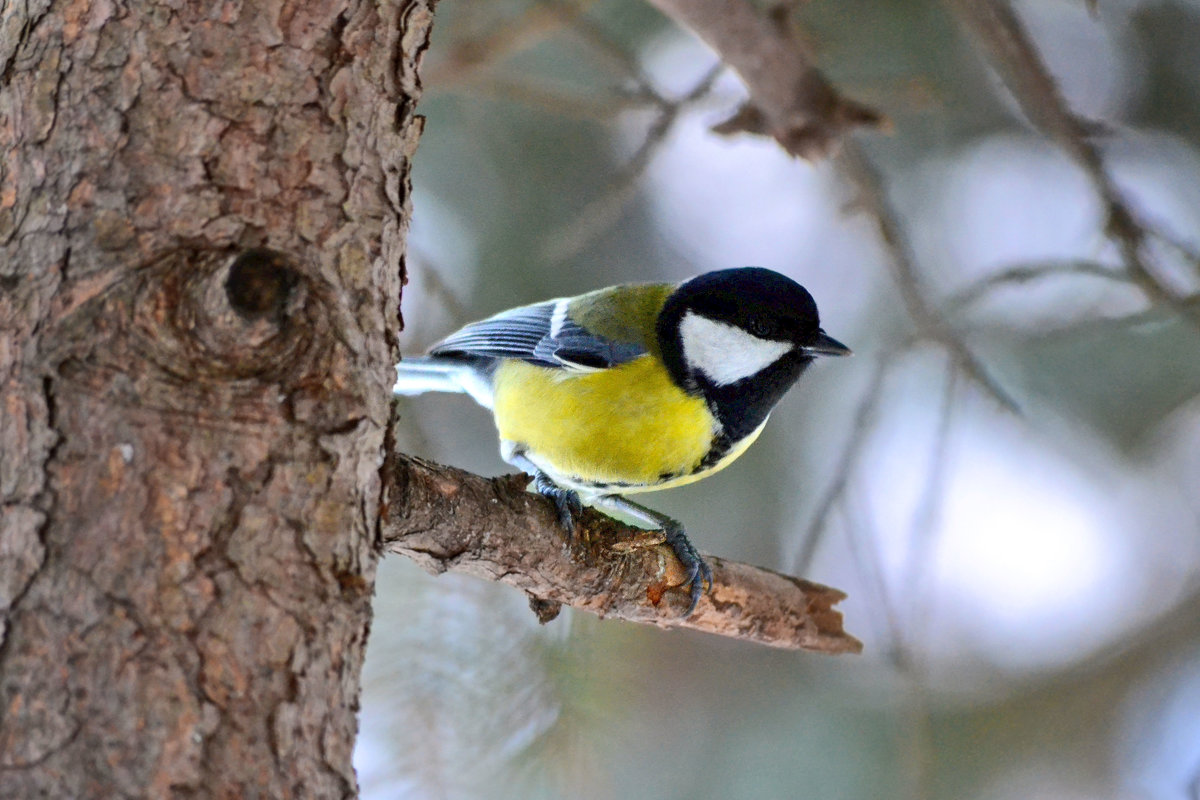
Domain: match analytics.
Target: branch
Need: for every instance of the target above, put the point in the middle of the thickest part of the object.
(1004, 38)
(872, 199)
(466, 58)
(447, 519)
(789, 99)
(979, 289)
(603, 212)
(865, 417)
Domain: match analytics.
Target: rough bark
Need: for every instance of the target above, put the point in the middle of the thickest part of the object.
(202, 209)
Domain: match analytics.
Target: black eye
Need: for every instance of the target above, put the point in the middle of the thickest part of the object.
(759, 327)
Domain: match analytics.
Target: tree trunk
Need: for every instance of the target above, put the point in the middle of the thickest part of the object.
(202, 212)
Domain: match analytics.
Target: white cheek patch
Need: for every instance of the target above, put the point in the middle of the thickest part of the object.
(725, 353)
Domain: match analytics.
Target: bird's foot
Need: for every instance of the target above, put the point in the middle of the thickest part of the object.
(699, 573)
(566, 501)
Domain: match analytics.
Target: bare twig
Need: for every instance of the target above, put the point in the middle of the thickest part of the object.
(436, 287)
(602, 212)
(1002, 35)
(864, 423)
(927, 516)
(1027, 273)
(872, 199)
(469, 57)
(602, 44)
(448, 519)
(862, 544)
(565, 100)
(557, 98)
(789, 99)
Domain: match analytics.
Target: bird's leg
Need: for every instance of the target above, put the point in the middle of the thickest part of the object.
(699, 573)
(566, 501)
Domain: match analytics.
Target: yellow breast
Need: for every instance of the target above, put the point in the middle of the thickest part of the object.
(629, 426)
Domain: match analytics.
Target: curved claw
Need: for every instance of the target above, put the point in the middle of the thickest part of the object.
(566, 501)
(700, 575)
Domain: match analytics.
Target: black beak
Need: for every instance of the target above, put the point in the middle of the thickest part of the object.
(825, 345)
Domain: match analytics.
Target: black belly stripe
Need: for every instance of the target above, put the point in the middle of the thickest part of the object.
(721, 445)
(576, 480)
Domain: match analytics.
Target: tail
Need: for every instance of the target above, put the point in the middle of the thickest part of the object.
(421, 374)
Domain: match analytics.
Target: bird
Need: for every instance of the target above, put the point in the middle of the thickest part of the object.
(633, 388)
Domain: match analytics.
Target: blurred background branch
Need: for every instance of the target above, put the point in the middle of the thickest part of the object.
(790, 100)
(863, 175)
(1006, 42)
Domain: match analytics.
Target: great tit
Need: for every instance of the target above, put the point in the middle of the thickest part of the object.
(633, 388)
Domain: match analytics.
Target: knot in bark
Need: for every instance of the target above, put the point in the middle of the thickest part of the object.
(253, 315)
(260, 284)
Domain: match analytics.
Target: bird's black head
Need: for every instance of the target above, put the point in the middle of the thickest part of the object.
(741, 338)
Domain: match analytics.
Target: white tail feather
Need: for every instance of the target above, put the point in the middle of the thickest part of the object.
(432, 374)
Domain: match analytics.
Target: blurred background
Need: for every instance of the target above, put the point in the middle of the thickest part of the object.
(1026, 583)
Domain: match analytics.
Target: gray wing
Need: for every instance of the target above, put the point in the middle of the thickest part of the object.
(541, 334)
